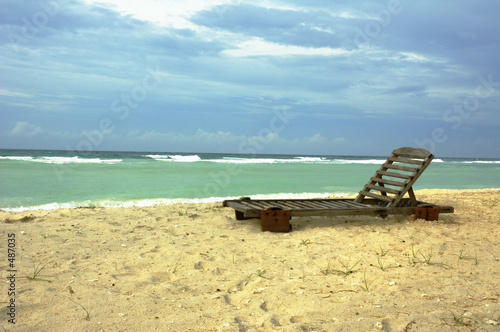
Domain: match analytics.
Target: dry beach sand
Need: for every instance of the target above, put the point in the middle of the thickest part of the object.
(193, 267)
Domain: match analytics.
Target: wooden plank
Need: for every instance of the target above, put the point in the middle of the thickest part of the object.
(388, 182)
(405, 160)
(341, 212)
(395, 175)
(306, 204)
(401, 168)
(379, 197)
(313, 205)
(236, 205)
(287, 205)
(353, 204)
(333, 205)
(259, 204)
(382, 189)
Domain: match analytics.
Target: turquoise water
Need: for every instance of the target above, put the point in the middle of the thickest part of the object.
(52, 179)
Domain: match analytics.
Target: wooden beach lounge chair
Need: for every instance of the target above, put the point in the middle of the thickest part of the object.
(383, 195)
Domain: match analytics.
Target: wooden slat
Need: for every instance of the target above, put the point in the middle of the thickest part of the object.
(401, 168)
(388, 182)
(379, 197)
(382, 189)
(260, 205)
(318, 205)
(353, 204)
(236, 205)
(288, 205)
(334, 205)
(395, 175)
(405, 160)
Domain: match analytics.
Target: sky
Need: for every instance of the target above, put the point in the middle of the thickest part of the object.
(235, 76)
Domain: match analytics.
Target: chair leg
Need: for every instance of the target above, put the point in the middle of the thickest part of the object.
(275, 220)
(240, 215)
(427, 213)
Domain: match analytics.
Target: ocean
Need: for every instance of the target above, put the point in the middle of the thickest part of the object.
(35, 179)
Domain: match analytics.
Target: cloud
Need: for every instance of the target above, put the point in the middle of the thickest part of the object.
(317, 138)
(221, 141)
(344, 70)
(9, 93)
(25, 129)
(259, 47)
(287, 26)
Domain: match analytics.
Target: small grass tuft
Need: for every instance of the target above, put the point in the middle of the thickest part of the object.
(324, 271)
(461, 256)
(36, 273)
(177, 263)
(347, 267)
(305, 242)
(259, 273)
(87, 311)
(382, 252)
(366, 285)
(427, 259)
(380, 264)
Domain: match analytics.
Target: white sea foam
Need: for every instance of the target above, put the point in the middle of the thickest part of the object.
(188, 159)
(231, 160)
(76, 160)
(158, 157)
(310, 159)
(18, 158)
(65, 160)
(252, 160)
(358, 161)
(178, 158)
(480, 162)
(235, 160)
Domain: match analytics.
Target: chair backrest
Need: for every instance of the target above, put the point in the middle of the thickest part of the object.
(396, 176)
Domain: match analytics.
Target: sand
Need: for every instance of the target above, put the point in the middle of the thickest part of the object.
(193, 267)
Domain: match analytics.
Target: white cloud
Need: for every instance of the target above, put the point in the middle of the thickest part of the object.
(260, 47)
(173, 13)
(25, 129)
(264, 142)
(316, 139)
(9, 93)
